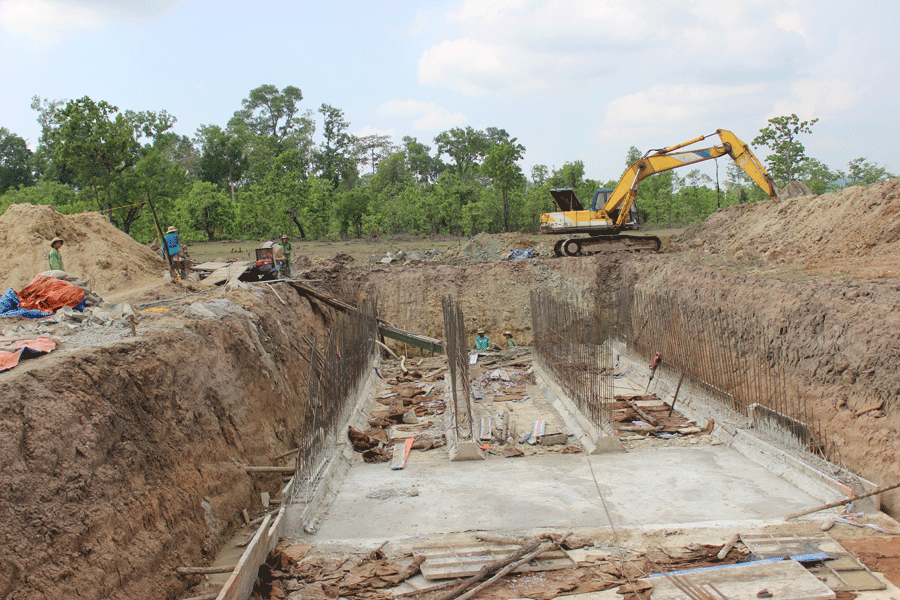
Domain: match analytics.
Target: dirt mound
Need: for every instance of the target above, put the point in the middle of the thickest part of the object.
(812, 231)
(486, 247)
(94, 249)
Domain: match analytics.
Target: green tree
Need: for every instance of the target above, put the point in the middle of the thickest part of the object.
(467, 147)
(43, 157)
(500, 165)
(208, 209)
(96, 144)
(16, 162)
(787, 153)
(372, 149)
(817, 176)
(418, 156)
(62, 197)
(335, 157)
(223, 159)
(862, 172)
(539, 174)
(273, 114)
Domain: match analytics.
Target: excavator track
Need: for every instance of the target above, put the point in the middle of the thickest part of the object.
(591, 245)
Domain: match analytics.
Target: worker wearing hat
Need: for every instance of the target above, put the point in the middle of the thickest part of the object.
(55, 257)
(510, 342)
(481, 341)
(171, 242)
(286, 263)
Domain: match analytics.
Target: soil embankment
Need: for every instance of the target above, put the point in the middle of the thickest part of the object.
(94, 249)
(121, 462)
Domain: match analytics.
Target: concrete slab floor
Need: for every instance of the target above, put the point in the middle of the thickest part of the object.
(662, 487)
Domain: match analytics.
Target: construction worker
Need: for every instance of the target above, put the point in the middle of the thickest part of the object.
(55, 257)
(171, 242)
(286, 263)
(510, 342)
(481, 341)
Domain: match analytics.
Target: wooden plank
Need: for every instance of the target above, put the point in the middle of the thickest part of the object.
(785, 580)
(209, 266)
(204, 570)
(465, 562)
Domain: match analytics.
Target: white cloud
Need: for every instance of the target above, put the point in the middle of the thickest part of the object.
(439, 119)
(431, 117)
(792, 22)
(811, 98)
(663, 108)
(369, 130)
(49, 21)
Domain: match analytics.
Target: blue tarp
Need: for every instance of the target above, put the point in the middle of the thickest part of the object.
(519, 254)
(9, 307)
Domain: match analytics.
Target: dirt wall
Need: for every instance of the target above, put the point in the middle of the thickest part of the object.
(841, 337)
(492, 295)
(120, 463)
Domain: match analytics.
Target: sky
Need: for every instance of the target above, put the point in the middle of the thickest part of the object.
(571, 80)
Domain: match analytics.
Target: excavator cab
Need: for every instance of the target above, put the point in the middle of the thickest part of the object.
(601, 197)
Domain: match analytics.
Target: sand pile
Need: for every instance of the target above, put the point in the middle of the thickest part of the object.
(95, 249)
(860, 221)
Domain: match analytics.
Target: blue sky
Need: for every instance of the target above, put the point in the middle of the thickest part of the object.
(572, 80)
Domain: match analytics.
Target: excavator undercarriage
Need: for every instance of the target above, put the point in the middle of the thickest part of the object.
(596, 243)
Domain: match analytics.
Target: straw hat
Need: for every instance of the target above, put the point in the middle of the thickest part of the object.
(480, 330)
(171, 229)
(54, 240)
(507, 333)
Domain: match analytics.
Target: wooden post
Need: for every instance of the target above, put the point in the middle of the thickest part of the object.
(162, 240)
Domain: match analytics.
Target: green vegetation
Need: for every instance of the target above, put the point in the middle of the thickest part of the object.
(262, 174)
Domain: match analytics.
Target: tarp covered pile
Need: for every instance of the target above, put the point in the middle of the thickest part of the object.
(41, 298)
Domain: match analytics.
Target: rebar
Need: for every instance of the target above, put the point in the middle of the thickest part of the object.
(458, 361)
(574, 343)
(739, 363)
(335, 372)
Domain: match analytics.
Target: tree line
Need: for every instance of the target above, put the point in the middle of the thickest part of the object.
(262, 174)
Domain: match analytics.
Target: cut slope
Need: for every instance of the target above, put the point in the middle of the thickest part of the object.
(813, 231)
(94, 249)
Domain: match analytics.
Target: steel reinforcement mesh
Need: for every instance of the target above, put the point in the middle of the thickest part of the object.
(735, 359)
(335, 373)
(573, 343)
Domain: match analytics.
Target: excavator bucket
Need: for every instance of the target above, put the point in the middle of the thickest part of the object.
(794, 189)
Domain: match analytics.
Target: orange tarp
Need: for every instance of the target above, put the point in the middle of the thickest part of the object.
(49, 295)
(8, 360)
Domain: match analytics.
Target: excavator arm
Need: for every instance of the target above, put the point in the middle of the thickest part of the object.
(619, 203)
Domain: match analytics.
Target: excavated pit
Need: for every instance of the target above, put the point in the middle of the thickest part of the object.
(122, 461)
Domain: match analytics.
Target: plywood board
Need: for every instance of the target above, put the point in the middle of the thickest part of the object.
(843, 573)
(785, 580)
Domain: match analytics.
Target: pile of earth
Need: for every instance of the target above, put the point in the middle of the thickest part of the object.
(486, 247)
(844, 230)
(95, 250)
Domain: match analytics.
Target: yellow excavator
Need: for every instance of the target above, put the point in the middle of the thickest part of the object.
(613, 211)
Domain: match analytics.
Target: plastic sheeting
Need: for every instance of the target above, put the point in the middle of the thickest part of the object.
(9, 307)
(11, 354)
(49, 295)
